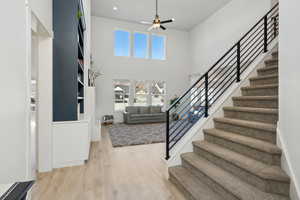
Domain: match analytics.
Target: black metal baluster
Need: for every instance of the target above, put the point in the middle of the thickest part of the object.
(167, 135)
(244, 52)
(265, 33)
(275, 26)
(206, 95)
(238, 58)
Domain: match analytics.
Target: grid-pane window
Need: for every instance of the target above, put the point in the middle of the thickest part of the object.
(140, 45)
(141, 93)
(121, 92)
(122, 43)
(158, 47)
(158, 92)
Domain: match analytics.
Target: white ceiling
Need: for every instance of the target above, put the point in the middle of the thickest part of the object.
(187, 13)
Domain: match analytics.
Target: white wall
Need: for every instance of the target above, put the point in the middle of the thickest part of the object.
(43, 10)
(14, 115)
(174, 70)
(210, 39)
(289, 82)
(15, 140)
(45, 104)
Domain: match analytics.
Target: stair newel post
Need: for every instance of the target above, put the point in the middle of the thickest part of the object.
(206, 95)
(265, 33)
(238, 65)
(167, 134)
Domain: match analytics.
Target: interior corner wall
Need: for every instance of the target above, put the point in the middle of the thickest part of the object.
(289, 82)
(210, 39)
(174, 70)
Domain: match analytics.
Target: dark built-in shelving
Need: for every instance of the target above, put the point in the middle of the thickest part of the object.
(80, 78)
(68, 59)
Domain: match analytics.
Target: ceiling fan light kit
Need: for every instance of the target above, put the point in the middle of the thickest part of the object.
(157, 23)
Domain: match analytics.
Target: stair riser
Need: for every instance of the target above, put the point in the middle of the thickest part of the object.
(181, 188)
(276, 187)
(252, 116)
(265, 81)
(208, 181)
(245, 150)
(256, 103)
(260, 92)
(270, 63)
(246, 131)
(271, 71)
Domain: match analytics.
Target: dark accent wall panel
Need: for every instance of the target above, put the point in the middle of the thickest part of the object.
(65, 52)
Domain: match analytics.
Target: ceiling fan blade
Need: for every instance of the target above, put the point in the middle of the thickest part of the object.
(145, 22)
(150, 28)
(162, 27)
(167, 21)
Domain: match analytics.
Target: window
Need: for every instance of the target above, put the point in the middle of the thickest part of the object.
(138, 93)
(122, 43)
(158, 47)
(140, 45)
(158, 92)
(141, 93)
(122, 92)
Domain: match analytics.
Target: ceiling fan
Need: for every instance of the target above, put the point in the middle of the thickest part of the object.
(157, 23)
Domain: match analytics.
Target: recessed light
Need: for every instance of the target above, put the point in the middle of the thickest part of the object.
(115, 8)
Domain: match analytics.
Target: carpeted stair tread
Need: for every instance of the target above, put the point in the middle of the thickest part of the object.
(244, 140)
(226, 180)
(268, 86)
(253, 166)
(267, 68)
(256, 98)
(247, 124)
(272, 61)
(192, 186)
(251, 110)
(263, 77)
(260, 90)
(275, 54)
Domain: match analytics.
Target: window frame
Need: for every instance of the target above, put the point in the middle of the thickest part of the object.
(152, 94)
(114, 94)
(148, 48)
(130, 42)
(165, 46)
(149, 44)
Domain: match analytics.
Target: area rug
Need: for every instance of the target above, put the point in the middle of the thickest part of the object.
(127, 135)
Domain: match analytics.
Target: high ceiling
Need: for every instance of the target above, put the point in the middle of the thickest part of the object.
(187, 13)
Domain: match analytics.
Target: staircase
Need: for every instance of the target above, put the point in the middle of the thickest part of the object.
(239, 159)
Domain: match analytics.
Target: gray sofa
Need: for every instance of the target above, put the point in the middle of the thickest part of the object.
(143, 114)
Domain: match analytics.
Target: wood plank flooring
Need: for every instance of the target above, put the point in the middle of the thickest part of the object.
(126, 173)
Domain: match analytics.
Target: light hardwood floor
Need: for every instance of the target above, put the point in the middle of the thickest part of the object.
(126, 173)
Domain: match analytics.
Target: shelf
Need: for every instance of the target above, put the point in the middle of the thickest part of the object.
(81, 19)
(80, 31)
(80, 59)
(81, 51)
(80, 67)
(80, 83)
